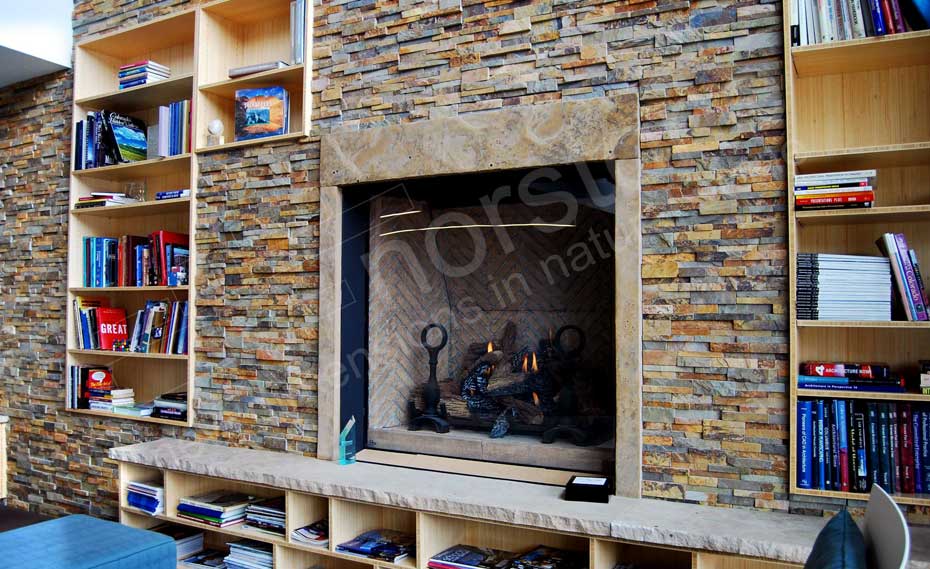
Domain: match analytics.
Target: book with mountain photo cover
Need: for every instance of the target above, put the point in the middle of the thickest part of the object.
(127, 134)
(262, 112)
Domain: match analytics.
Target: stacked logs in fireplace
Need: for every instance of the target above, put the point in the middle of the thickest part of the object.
(544, 391)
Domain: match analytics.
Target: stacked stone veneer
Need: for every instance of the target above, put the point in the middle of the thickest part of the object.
(709, 78)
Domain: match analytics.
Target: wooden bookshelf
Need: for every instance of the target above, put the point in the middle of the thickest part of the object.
(858, 104)
(199, 45)
(434, 532)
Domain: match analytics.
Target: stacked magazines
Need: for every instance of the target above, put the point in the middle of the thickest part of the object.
(316, 534)
(843, 287)
(187, 540)
(266, 516)
(218, 508)
(381, 544)
(834, 190)
(468, 557)
(250, 554)
(208, 559)
(145, 496)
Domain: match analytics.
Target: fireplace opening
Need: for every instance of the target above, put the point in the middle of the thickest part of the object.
(478, 316)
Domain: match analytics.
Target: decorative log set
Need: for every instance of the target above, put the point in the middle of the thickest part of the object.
(506, 390)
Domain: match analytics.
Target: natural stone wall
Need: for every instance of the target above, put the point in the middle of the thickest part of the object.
(708, 75)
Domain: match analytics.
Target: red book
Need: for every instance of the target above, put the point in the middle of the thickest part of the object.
(96, 378)
(906, 441)
(159, 240)
(111, 325)
(853, 371)
(888, 17)
(853, 197)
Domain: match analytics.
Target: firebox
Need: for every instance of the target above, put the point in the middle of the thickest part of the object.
(478, 316)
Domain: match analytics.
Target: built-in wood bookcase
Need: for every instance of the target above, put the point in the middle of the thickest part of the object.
(199, 45)
(858, 104)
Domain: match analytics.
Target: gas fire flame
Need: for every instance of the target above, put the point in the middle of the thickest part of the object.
(490, 347)
(525, 366)
(535, 399)
(535, 367)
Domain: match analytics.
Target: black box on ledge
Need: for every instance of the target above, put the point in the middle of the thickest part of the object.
(588, 489)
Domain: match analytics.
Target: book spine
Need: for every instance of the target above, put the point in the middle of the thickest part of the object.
(875, 8)
(886, 16)
(925, 447)
(915, 443)
(896, 17)
(842, 432)
(827, 18)
(894, 447)
(837, 199)
(874, 442)
(805, 447)
(867, 18)
(890, 249)
(848, 186)
(913, 290)
(907, 450)
(819, 465)
(855, 14)
(861, 449)
(843, 26)
(920, 279)
(828, 446)
(886, 467)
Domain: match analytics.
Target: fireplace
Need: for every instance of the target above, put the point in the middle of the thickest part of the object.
(489, 309)
(382, 186)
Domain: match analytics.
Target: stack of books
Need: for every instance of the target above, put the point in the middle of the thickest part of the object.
(250, 554)
(218, 508)
(834, 190)
(160, 328)
(267, 516)
(911, 301)
(171, 406)
(850, 377)
(171, 135)
(206, 559)
(815, 21)
(924, 382)
(381, 544)
(146, 496)
(468, 557)
(97, 325)
(544, 557)
(316, 534)
(848, 445)
(142, 73)
(92, 387)
(843, 287)
(103, 199)
(187, 539)
(110, 399)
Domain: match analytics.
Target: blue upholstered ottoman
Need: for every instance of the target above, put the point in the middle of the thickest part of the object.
(83, 542)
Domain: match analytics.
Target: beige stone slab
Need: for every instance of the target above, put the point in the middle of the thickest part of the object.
(776, 536)
(549, 134)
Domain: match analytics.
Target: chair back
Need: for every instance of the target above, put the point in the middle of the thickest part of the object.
(887, 538)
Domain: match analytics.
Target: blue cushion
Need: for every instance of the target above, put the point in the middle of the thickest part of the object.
(839, 545)
(83, 542)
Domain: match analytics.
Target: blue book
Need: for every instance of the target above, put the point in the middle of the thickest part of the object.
(99, 259)
(857, 387)
(182, 333)
(90, 160)
(143, 502)
(85, 330)
(876, 10)
(140, 265)
(821, 442)
(925, 447)
(805, 444)
(918, 459)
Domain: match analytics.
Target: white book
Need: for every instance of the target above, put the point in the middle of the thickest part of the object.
(852, 174)
(858, 23)
(164, 131)
(813, 193)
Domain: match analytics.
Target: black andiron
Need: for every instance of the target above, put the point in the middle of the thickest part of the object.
(434, 411)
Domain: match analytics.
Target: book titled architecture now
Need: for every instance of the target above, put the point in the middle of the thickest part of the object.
(262, 112)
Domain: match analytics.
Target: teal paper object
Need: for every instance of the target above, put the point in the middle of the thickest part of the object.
(347, 443)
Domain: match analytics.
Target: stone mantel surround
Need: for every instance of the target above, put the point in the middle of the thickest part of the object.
(602, 129)
(768, 535)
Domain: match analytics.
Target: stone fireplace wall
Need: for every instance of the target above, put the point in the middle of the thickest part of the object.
(709, 79)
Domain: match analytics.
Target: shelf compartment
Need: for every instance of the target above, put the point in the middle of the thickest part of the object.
(290, 557)
(870, 395)
(141, 169)
(291, 77)
(174, 88)
(241, 143)
(901, 349)
(896, 324)
(303, 510)
(607, 554)
(884, 156)
(896, 50)
(168, 40)
(889, 214)
(108, 415)
(438, 532)
(348, 520)
(155, 207)
(128, 289)
(908, 499)
(181, 485)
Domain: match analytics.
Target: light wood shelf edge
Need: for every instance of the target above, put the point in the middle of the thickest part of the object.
(831, 394)
(908, 499)
(128, 289)
(894, 324)
(108, 415)
(253, 142)
(152, 356)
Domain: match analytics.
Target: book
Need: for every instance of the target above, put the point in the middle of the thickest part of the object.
(469, 557)
(172, 194)
(846, 370)
(805, 477)
(381, 544)
(543, 557)
(256, 68)
(858, 449)
(127, 135)
(843, 287)
(842, 444)
(208, 558)
(188, 540)
(111, 326)
(261, 112)
(250, 554)
(316, 534)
